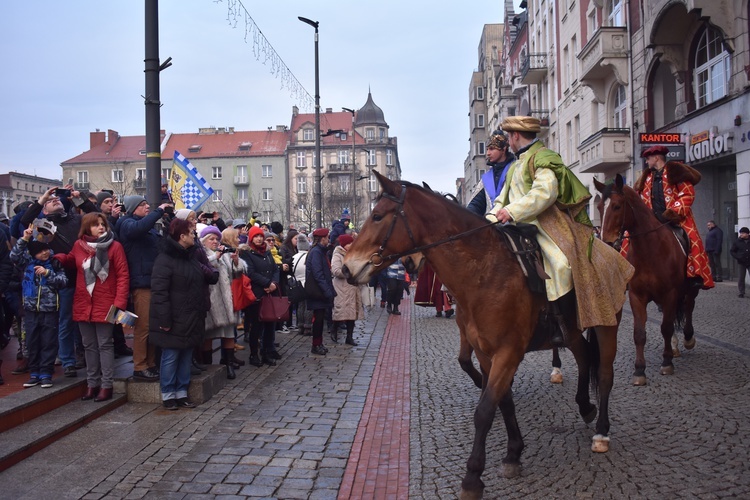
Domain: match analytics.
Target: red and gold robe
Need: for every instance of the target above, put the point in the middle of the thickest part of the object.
(678, 181)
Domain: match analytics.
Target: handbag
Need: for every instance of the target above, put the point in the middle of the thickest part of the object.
(242, 293)
(295, 290)
(274, 308)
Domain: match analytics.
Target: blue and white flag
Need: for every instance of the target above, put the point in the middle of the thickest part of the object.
(188, 187)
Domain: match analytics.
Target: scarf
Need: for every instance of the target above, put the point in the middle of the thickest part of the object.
(261, 249)
(96, 265)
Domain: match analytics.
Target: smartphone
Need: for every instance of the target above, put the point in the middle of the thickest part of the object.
(62, 193)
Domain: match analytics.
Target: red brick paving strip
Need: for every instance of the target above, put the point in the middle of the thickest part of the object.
(378, 465)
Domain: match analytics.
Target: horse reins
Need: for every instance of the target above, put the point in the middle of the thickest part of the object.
(377, 258)
(617, 244)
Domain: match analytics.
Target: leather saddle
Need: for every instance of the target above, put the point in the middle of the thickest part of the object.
(521, 241)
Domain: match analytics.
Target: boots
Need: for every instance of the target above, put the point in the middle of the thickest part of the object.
(389, 308)
(559, 329)
(267, 360)
(254, 358)
(395, 311)
(91, 393)
(21, 367)
(226, 360)
(335, 332)
(207, 357)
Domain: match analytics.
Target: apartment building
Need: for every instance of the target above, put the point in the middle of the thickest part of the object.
(17, 187)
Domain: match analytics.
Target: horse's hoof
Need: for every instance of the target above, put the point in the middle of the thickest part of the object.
(600, 444)
(676, 353)
(511, 470)
(639, 380)
(689, 344)
(556, 376)
(470, 495)
(667, 370)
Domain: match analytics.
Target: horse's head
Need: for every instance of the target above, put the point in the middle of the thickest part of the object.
(386, 233)
(613, 210)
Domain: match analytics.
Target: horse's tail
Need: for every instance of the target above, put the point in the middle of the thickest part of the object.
(593, 356)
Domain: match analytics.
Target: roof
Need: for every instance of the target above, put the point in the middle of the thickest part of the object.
(227, 145)
(370, 114)
(341, 120)
(125, 149)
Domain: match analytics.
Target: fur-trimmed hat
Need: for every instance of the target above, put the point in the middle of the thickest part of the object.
(655, 150)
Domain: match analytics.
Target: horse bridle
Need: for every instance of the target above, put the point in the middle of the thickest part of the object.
(617, 244)
(377, 258)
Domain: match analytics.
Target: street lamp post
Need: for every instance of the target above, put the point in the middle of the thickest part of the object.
(318, 177)
(354, 171)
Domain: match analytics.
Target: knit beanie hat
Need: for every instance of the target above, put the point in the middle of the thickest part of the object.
(303, 244)
(210, 230)
(131, 202)
(101, 196)
(183, 213)
(35, 247)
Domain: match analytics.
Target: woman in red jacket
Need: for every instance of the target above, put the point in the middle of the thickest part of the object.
(102, 281)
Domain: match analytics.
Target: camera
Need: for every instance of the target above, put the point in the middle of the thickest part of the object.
(62, 193)
(169, 210)
(227, 249)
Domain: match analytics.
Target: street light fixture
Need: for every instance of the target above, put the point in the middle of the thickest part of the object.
(318, 178)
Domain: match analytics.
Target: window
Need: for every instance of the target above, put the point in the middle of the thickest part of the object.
(216, 172)
(574, 59)
(620, 108)
(117, 175)
(301, 184)
(371, 159)
(245, 146)
(479, 93)
(712, 68)
(301, 159)
(267, 171)
(593, 21)
(616, 13)
(140, 174)
(344, 183)
(241, 171)
(218, 195)
(576, 136)
(479, 120)
(195, 148)
(166, 173)
(370, 134)
(389, 157)
(569, 133)
(343, 136)
(480, 148)
(267, 194)
(242, 194)
(308, 134)
(382, 133)
(82, 176)
(344, 157)
(372, 184)
(566, 68)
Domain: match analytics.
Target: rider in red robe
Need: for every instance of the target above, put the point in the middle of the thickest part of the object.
(668, 189)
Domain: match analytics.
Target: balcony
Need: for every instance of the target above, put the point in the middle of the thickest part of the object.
(240, 180)
(606, 54)
(534, 69)
(607, 151)
(139, 184)
(542, 114)
(517, 87)
(80, 186)
(506, 92)
(339, 167)
(241, 203)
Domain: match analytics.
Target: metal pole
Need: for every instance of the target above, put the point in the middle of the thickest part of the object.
(318, 176)
(153, 117)
(354, 171)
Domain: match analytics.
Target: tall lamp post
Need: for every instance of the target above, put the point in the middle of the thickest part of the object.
(354, 170)
(318, 177)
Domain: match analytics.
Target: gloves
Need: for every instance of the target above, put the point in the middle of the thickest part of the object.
(673, 217)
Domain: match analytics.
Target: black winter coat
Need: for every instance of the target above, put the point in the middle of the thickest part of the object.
(178, 287)
(741, 251)
(262, 270)
(318, 267)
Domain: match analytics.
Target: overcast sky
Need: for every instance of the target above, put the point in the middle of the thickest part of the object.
(73, 66)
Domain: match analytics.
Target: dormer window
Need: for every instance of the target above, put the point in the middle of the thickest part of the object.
(195, 148)
(245, 146)
(308, 134)
(142, 152)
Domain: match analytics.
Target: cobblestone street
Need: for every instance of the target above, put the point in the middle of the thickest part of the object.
(335, 426)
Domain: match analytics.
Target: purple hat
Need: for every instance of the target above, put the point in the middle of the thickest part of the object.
(210, 230)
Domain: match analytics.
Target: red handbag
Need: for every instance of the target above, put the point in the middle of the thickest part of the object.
(242, 293)
(274, 308)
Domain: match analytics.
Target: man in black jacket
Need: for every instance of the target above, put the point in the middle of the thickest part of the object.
(741, 251)
(500, 159)
(714, 238)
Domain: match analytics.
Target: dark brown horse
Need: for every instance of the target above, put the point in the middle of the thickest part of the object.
(660, 271)
(497, 312)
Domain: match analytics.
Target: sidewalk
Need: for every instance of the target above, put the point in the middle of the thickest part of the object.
(307, 428)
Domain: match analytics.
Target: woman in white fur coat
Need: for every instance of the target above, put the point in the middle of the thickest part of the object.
(347, 305)
(222, 319)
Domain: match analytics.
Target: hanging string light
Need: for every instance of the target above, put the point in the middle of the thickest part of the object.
(264, 52)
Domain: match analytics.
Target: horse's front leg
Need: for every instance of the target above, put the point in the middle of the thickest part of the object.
(579, 347)
(638, 306)
(498, 384)
(464, 359)
(512, 459)
(556, 376)
(667, 331)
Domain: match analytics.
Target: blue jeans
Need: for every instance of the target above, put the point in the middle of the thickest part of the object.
(68, 329)
(41, 341)
(174, 374)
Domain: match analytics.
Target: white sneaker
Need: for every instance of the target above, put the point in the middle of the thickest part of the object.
(284, 329)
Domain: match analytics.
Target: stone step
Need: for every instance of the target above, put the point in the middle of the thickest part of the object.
(25, 439)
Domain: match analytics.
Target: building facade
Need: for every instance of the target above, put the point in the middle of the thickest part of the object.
(352, 146)
(17, 187)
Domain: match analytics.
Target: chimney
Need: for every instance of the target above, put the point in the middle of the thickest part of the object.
(295, 110)
(231, 130)
(97, 138)
(112, 137)
(329, 110)
(280, 128)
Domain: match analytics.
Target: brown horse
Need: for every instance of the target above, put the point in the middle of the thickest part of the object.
(497, 312)
(660, 271)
